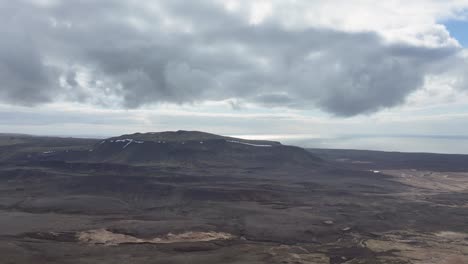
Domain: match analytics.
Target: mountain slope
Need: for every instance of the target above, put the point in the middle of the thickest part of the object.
(193, 147)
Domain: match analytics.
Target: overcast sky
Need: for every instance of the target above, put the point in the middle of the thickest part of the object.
(290, 69)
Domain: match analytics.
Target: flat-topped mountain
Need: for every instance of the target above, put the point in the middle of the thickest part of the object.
(196, 148)
(182, 136)
(172, 148)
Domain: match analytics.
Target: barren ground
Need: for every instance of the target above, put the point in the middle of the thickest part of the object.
(372, 211)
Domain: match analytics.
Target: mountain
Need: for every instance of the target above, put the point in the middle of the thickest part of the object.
(185, 195)
(193, 147)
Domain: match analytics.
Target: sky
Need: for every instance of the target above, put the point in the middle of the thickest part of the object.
(459, 30)
(385, 75)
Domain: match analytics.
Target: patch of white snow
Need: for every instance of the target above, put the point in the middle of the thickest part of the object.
(248, 144)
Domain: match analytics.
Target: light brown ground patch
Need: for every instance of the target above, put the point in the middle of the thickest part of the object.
(296, 255)
(108, 238)
(432, 181)
(438, 248)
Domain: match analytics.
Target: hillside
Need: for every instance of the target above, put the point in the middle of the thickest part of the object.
(179, 148)
(20, 147)
(193, 147)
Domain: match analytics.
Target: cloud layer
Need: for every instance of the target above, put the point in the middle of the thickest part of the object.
(129, 54)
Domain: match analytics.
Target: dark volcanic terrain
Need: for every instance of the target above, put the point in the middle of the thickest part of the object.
(193, 197)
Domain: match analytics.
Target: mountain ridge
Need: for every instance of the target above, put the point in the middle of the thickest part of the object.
(185, 135)
(170, 148)
(195, 147)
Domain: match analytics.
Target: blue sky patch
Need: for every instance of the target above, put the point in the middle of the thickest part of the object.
(459, 30)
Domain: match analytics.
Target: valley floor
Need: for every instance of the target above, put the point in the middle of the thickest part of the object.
(343, 211)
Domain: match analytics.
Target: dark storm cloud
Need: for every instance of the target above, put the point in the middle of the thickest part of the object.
(187, 51)
(24, 77)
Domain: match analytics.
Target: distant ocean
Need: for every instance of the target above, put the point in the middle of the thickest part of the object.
(402, 143)
(433, 144)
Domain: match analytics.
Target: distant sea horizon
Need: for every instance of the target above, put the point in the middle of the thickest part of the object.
(451, 144)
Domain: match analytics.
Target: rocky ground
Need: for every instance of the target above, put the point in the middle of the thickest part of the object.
(346, 209)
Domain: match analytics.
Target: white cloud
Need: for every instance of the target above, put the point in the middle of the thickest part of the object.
(414, 21)
(261, 65)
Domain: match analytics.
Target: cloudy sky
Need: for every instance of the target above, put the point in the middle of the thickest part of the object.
(370, 74)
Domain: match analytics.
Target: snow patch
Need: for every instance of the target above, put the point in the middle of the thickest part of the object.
(127, 141)
(249, 144)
